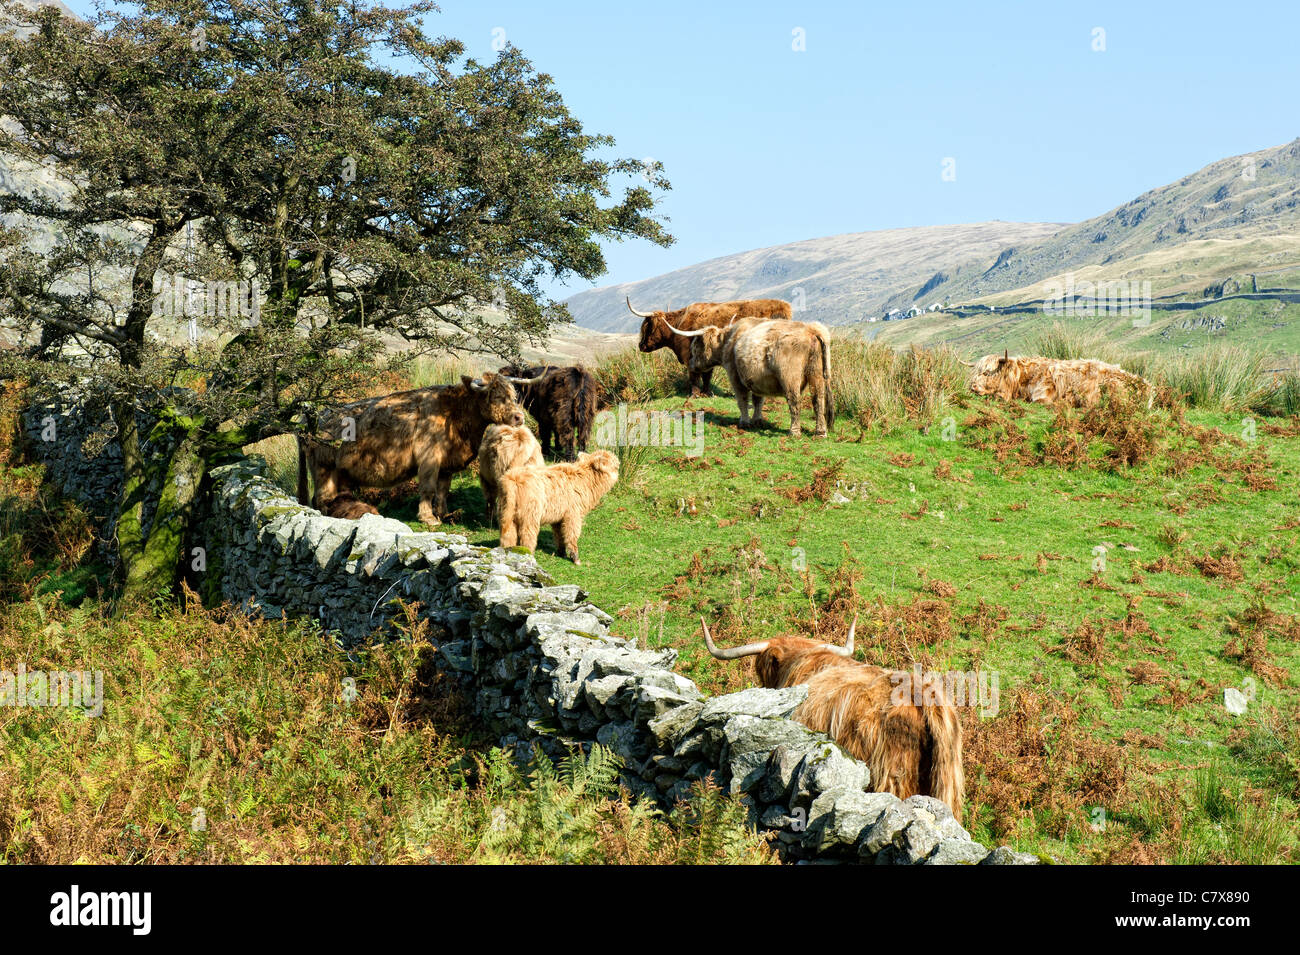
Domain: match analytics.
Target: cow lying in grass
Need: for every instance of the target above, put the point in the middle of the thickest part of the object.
(900, 724)
(770, 358)
(346, 507)
(504, 447)
(1075, 382)
(560, 495)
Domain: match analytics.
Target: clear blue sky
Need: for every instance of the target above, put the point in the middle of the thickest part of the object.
(765, 145)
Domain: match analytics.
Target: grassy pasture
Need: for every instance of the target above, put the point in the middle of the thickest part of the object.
(1117, 571)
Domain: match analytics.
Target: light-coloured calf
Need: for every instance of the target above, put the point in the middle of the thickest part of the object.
(560, 495)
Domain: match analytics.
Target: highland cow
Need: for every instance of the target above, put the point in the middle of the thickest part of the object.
(504, 447)
(767, 358)
(907, 734)
(1075, 382)
(656, 332)
(560, 495)
(427, 433)
(564, 404)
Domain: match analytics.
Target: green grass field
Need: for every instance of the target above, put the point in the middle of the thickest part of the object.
(1115, 603)
(1268, 326)
(1116, 571)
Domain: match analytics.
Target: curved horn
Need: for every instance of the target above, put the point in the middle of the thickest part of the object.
(697, 332)
(847, 649)
(628, 299)
(968, 364)
(527, 381)
(1006, 355)
(733, 653)
(478, 384)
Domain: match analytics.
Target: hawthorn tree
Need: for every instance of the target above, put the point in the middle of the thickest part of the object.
(344, 178)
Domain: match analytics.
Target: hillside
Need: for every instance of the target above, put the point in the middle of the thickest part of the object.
(845, 278)
(1243, 211)
(1236, 221)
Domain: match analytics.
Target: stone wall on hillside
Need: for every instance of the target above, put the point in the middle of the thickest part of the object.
(537, 660)
(541, 668)
(75, 438)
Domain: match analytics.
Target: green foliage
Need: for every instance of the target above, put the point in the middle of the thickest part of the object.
(875, 385)
(633, 376)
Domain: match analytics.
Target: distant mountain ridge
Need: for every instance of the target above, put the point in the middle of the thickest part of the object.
(839, 279)
(1251, 196)
(1238, 213)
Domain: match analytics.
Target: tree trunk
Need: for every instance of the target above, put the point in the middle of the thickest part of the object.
(135, 486)
(151, 556)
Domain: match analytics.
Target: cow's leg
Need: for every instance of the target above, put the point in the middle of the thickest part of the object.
(792, 399)
(564, 440)
(821, 396)
(528, 530)
(489, 497)
(706, 382)
(756, 419)
(329, 485)
(567, 533)
(444, 491)
(508, 513)
(430, 485)
(742, 396)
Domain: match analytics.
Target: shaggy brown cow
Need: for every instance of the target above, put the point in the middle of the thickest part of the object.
(427, 433)
(766, 357)
(656, 332)
(346, 507)
(564, 404)
(907, 734)
(560, 495)
(1050, 381)
(504, 447)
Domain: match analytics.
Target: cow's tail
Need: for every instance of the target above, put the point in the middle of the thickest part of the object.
(303, 496)
(947, 780)
(825, 338)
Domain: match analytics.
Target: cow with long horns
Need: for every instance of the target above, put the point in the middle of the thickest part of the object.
(900, 724)
(426, 433)
(769, 358)
(656, 332)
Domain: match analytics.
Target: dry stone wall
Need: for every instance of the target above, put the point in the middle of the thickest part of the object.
(72, 432)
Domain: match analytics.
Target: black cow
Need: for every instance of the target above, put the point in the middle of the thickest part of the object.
(564, 404)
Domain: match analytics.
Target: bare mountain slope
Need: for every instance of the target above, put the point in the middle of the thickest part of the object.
(1237, 214)
(1255, 196)
(843, 278)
